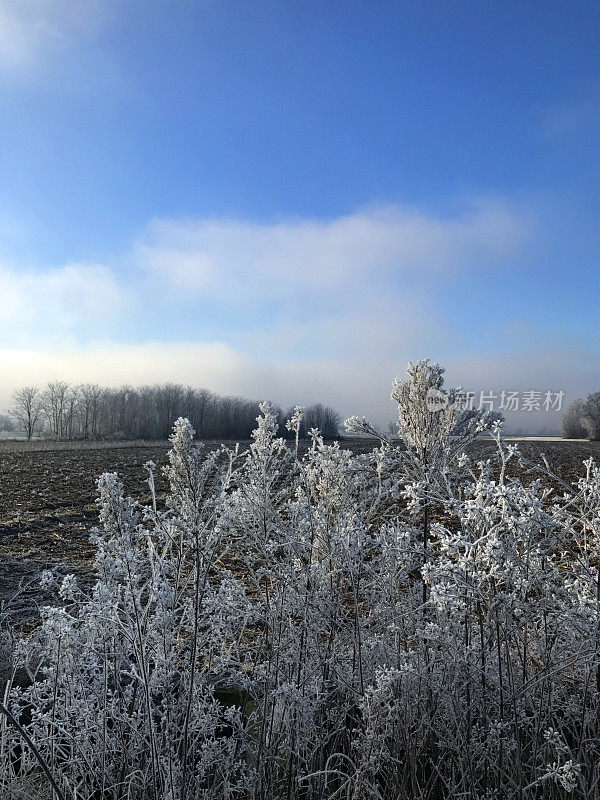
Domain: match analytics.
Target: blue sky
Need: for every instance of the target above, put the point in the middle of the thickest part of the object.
(293, 199)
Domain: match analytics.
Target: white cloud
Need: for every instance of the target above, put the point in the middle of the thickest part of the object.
(330, 311)
(214, 364)
(235, 258)
(58, 43)
(371, 328)
(345, 286)
(76, 301)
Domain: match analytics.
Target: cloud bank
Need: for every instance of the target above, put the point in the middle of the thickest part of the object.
(297, 310)
(212, 256)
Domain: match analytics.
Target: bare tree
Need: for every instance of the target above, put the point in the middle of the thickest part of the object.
(27, 408)
(591, 415)
(582, 418)
(88, 409)
(6, 423)
(326, 419)
(572, 421)
(70, 427)
(199, 402)
(55, 406)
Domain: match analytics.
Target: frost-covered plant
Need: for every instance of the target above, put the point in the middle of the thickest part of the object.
(294, 423)
(398, 624)
(123, 696)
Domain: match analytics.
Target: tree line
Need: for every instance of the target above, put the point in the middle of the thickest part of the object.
(89, 411)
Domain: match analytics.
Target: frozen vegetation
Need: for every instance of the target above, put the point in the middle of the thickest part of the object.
(398, 625)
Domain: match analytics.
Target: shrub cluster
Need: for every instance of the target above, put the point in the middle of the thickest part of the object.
(398, 625)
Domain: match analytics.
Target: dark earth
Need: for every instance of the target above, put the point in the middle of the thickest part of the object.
(48, 494)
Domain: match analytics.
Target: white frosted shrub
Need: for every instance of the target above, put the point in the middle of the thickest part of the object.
(397, 625)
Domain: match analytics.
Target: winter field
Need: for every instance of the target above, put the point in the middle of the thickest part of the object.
(289, 620)
(48, 505)
(48, 499)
